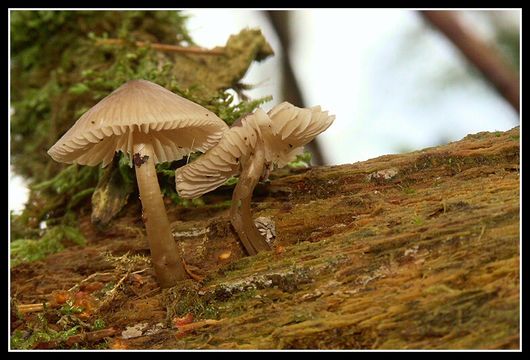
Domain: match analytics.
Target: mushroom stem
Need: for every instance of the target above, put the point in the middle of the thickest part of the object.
(240, 214)
(164, 253)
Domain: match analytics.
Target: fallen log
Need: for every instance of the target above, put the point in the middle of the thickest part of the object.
(407, 251)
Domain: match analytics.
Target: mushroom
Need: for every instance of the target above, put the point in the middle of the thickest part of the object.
(152, 125)
(251, 148)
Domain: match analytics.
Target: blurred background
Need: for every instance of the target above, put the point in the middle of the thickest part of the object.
(397, 80)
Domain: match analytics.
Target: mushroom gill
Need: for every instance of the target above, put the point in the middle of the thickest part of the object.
(256, 143)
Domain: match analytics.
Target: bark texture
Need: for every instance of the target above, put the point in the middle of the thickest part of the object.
(408, 251)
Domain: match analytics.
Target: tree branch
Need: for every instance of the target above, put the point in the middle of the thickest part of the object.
(485, 58)
(290, 88)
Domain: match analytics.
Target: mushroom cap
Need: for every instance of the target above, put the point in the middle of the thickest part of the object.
(292, 128)
(174, 125)
(284, 131)
(214, 167)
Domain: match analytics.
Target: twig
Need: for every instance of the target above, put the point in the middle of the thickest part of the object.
(482, 231)
(30, 308)
(33, 278)
(198, 324)
(74, 339)
(191, 274)
(111, 293)
(150, 292)
(91, 336)
(88, 278)
(140, 271)
(164, 47)
(485, 58)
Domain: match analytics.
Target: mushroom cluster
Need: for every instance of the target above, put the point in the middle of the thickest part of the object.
(151, 125)
(251, 148)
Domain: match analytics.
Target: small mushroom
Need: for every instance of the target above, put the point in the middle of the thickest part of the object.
(152, 125)
(251, 148)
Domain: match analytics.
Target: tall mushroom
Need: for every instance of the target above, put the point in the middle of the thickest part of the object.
(152, 125)
(249, 149)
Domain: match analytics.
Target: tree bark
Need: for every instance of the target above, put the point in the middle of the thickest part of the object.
(407, 251)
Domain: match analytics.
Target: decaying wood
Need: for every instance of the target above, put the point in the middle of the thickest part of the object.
(407, 251)
(198, 325)
(87, 338)
(165, 47)
(418, 250)
(91, 336)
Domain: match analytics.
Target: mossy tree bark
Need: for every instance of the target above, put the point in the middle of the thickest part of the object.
(407, 251)
(417, 250)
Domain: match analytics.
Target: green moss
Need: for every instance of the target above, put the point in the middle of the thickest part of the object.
(184, 299)
(409, 191)
(104, 345)
(418, 220)
(238, 304)
(230, 294)
(69, 309)
(236, 265)
(54, 240)
(40, 333)
(221, 204)
(98, 324)
(301, 161)
(365, 233)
